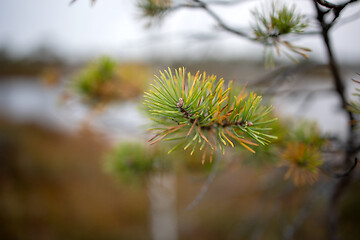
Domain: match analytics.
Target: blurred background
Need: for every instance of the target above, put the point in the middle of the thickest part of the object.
(54, 144)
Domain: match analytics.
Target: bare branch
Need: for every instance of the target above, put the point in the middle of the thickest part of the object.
(333, 65)
(221, 23)
(349, 19)
(332, 217)
(199, 4)
(278, 76)
(336, 9)
(92, 2)
(309, 33)
(328, 4)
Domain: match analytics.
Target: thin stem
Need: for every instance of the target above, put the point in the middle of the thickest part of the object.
(336, 8)
(220, 21)
(207, 184)
(224, 124)
(344, 174)
(73, 1)
(328, 4)
(349, 19)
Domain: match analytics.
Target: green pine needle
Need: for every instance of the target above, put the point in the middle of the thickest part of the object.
(198, 111)
(274, 23)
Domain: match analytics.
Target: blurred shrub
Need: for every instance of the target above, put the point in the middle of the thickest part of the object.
(134, 161)
(104, 81)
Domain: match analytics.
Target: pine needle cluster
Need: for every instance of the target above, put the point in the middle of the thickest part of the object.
(154, 9)
(302, 154)
(91, 82)
(303, 162)
(198, 112)
(279, 20)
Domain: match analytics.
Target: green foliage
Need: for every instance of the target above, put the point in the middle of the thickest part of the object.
(278, 21)
(303, 162)
(91, 81)
(302, 154)
(308, 133)
(269, 154)
(199, 113)
(131, 161)
(104, 81)
(297, 148)
(152, 9)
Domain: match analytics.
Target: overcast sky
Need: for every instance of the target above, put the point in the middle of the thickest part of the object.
(114, 27)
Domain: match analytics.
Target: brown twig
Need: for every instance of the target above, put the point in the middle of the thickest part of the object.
(224, 124)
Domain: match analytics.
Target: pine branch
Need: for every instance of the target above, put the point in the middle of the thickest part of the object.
(274, 22)
(199, 111)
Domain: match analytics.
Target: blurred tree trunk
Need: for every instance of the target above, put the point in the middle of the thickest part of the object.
(162, 195)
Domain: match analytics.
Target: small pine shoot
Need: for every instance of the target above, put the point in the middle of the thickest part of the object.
(270, 25)
(200, 113)
(154, 9)
(302, 155)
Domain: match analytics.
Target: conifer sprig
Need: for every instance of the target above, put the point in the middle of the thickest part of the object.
(200, 113)
(280, 20)
(154, 9)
